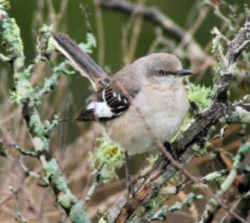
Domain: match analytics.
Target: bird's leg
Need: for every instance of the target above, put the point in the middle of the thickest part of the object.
(168, 147)
(129, 182)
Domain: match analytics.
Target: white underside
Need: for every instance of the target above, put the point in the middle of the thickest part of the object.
(161, 114)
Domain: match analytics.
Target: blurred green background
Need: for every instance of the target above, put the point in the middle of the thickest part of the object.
(75, 25)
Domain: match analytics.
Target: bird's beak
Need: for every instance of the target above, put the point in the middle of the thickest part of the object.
(185, 72)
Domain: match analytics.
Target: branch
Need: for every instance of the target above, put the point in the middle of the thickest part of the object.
(156, 17)
(189, 142)
(151, 14)
(40, 133)
(240, 111)
(212, 207)
(25, 153)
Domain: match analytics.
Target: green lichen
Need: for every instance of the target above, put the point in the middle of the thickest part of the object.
(66, 199)
(201, 95)
(50, 46)
(62, 67)
(36, 125)
(107, 158)
(48, 86)
(199, 186)
(53, 172)
(217, 48)
(45, 45)
(50, 125)
(51, 168)
(151, 159)
(5, 5)
(78, 213)
(11, 34)
(61, 183)
(217, 176)
(24, 89)
(153, 205)
(46, 29)
(26, 74)
(244, 148)
(213, 202)
(89, 45)
(161, 214)
(241, 114)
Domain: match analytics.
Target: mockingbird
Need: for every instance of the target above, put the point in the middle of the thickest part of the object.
(142, 100)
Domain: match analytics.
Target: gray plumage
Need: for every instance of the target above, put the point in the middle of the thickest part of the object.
(143, 100)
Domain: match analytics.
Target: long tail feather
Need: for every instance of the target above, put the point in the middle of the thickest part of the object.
(80, 60)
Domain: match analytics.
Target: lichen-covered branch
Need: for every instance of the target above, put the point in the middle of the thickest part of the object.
(24, 152)
(241, 111)
(212, 206)
(40, 132)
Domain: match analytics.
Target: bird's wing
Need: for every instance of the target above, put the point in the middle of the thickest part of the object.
(106, 104)
(80, 60)
(110, 99)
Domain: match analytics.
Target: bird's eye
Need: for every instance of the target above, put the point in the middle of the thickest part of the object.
(164, 73)
(161, 72)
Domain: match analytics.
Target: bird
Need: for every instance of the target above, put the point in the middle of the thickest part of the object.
(144, 101)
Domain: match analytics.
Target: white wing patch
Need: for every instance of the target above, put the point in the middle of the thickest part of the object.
(101, 109)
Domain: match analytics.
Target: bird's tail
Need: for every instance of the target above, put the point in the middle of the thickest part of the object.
(79, 60)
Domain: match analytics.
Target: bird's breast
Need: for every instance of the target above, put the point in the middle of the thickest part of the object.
(157, 111)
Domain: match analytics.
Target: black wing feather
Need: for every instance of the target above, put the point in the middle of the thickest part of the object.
(114, 99)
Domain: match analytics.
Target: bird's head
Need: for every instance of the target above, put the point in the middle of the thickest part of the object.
(163, 68)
